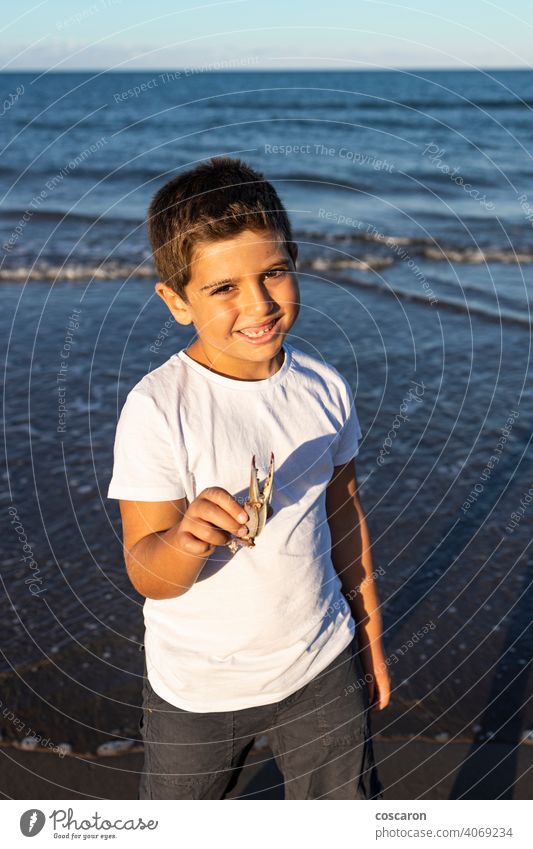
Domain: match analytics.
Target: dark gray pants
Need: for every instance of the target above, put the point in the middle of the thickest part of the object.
(320, 738)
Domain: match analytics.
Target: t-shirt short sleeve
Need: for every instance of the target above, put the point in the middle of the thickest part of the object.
(347, 442)
(144, 467)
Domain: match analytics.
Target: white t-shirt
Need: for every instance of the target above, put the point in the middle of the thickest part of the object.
(259, 624)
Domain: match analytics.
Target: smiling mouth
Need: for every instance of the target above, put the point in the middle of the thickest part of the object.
(264, 331)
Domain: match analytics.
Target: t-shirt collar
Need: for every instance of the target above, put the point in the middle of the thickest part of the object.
(232, 383)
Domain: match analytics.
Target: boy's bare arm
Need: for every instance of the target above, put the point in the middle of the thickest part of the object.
(352, 558)
(166, 543)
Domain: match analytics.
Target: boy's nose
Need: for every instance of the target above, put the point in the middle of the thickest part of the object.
(257, 300)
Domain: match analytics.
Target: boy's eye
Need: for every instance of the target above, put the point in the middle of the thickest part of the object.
(223, 289)
(272, 273)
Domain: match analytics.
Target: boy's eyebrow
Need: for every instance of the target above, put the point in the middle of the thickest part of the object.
(276, 262)
(214, 285)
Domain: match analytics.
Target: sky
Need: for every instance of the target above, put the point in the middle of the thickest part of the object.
(125, 35)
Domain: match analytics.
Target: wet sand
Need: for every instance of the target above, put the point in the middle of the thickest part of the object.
(409, 769)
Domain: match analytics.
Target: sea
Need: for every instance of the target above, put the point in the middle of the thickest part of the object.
(411, 199)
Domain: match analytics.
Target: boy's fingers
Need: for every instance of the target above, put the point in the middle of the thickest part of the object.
(223, 499)
(205, 531)
(193, 545)
(208, 511)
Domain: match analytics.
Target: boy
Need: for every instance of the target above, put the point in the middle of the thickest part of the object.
(260, 641)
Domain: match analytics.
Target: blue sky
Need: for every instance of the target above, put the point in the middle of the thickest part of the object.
(130, 34)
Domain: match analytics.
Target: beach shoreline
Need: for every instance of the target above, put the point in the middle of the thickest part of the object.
(409, 769)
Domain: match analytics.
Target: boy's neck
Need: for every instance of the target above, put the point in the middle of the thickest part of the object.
(236, 369)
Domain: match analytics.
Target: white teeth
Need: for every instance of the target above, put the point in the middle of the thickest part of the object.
(253, 334)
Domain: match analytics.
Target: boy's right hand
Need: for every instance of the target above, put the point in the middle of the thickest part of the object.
(210, 520)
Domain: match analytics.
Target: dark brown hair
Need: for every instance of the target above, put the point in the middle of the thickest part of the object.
(216, 200)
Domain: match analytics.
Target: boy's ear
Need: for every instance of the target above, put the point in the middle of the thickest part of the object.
(177, 306)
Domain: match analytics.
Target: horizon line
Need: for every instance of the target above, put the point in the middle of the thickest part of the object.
(208, 70)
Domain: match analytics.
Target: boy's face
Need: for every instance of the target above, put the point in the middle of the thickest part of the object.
(238, 286)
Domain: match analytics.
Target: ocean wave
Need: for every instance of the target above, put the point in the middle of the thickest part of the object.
(15, 215)
(124, 173)
(317, 98)
(313, 179)
(471, 308)
(476, 256)
(78, 271)
(418, 246)
(458, 103)
(255, 102)
(366, 263)
(361, 236)
(355, 101)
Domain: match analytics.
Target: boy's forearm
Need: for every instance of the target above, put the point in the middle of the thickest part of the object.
(159, 569)
(352, 558)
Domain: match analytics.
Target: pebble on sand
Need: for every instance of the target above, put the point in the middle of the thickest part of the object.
(29, 742)
(114, 747)
(442, 737)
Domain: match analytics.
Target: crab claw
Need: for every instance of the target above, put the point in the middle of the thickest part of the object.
(256, 506)
(260, 500)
